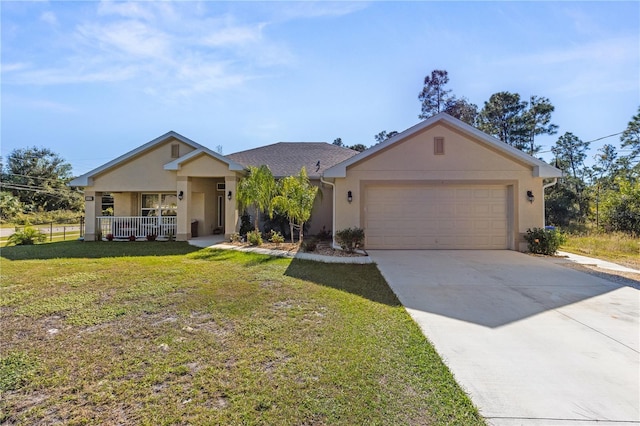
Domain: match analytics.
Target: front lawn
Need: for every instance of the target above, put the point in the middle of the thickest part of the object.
(162, 333)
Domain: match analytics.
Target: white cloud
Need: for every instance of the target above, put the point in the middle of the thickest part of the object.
(126, 37)
(231, 36)
(12, 67)
(130, 10)
(319, 9)
(163, 48)
(580, 69)
(611, 50)
(69, 75)
(50, 18)
(44, 104)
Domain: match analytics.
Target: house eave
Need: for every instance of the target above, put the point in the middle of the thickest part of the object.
(177, 163)
(539, 167)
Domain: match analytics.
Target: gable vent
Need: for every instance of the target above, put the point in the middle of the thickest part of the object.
(438, 146)
(175, 150)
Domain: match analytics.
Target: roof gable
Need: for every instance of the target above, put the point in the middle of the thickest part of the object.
(87, 178)
(539, 167)
(179, 162)
(287, 158)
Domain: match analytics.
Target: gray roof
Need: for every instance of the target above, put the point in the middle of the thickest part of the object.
(287, 158)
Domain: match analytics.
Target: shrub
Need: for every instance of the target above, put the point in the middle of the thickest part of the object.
(276, 237)
(132, 237)
(151, 237)
(350, 239)
(28, 236)
(235, 238)
(310, 245)
(254, 238)
(544, 241)
(110, 237)
(324, 235)
(245, 223)
(39, 218)
(621, 208)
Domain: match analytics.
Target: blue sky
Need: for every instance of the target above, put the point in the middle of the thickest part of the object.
(93, 80)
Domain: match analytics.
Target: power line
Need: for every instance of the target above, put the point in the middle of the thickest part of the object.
(604, 137)
(36, 177)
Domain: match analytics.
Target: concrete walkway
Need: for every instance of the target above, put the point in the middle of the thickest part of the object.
(565, 257)
(532, 342)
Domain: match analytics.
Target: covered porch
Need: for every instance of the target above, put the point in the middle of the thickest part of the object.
(197, 207)
(161, 188)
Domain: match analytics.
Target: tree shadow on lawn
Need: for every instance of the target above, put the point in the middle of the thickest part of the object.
(362, 280)
(245, 258)
(95, 250)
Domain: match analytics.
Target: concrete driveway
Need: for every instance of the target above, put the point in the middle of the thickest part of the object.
(532, 342)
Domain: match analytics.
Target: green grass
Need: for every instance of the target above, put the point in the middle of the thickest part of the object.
(615, 247)
(163, 333)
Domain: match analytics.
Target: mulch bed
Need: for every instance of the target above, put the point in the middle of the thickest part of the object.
(323, 248)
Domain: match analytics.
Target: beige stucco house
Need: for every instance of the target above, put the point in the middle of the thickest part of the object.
(441, 184)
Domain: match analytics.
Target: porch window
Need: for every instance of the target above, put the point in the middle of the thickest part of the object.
(159, 205)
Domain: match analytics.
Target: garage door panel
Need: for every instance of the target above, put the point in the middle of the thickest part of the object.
(443, 217)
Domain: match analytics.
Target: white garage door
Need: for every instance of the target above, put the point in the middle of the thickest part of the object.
(436, 217)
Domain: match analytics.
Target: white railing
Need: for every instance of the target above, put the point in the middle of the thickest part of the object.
(138, 226)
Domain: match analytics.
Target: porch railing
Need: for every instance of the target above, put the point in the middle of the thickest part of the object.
(138, 226)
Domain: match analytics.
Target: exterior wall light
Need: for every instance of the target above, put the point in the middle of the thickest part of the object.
(180, 195)
(229, 194)
(349, 196)
(530, 196)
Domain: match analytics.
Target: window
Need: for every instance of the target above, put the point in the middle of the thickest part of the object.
(438, 146)
(221, 186)
(169, 204)
(175, 150)
(220, 211)
(159, 205)
(107, 204)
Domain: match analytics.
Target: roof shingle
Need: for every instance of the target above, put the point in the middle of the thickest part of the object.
(287, 158)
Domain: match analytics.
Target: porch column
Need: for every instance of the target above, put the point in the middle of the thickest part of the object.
(92, 209)
(183, 225)
(230, 207)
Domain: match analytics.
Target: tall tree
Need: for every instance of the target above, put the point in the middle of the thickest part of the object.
(384, 135)
(434, 96)
(538, 121)
(358, 147)
(630, 138)
(570, 153)
(605, 167)
(501, 117)
(257, 189)
(295, 199)
(338, 142)
(517, 122)
(463, 110)
(38, 177)
(10, 206)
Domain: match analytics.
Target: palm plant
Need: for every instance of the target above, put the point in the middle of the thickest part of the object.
(295, 200)
(257, 190)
